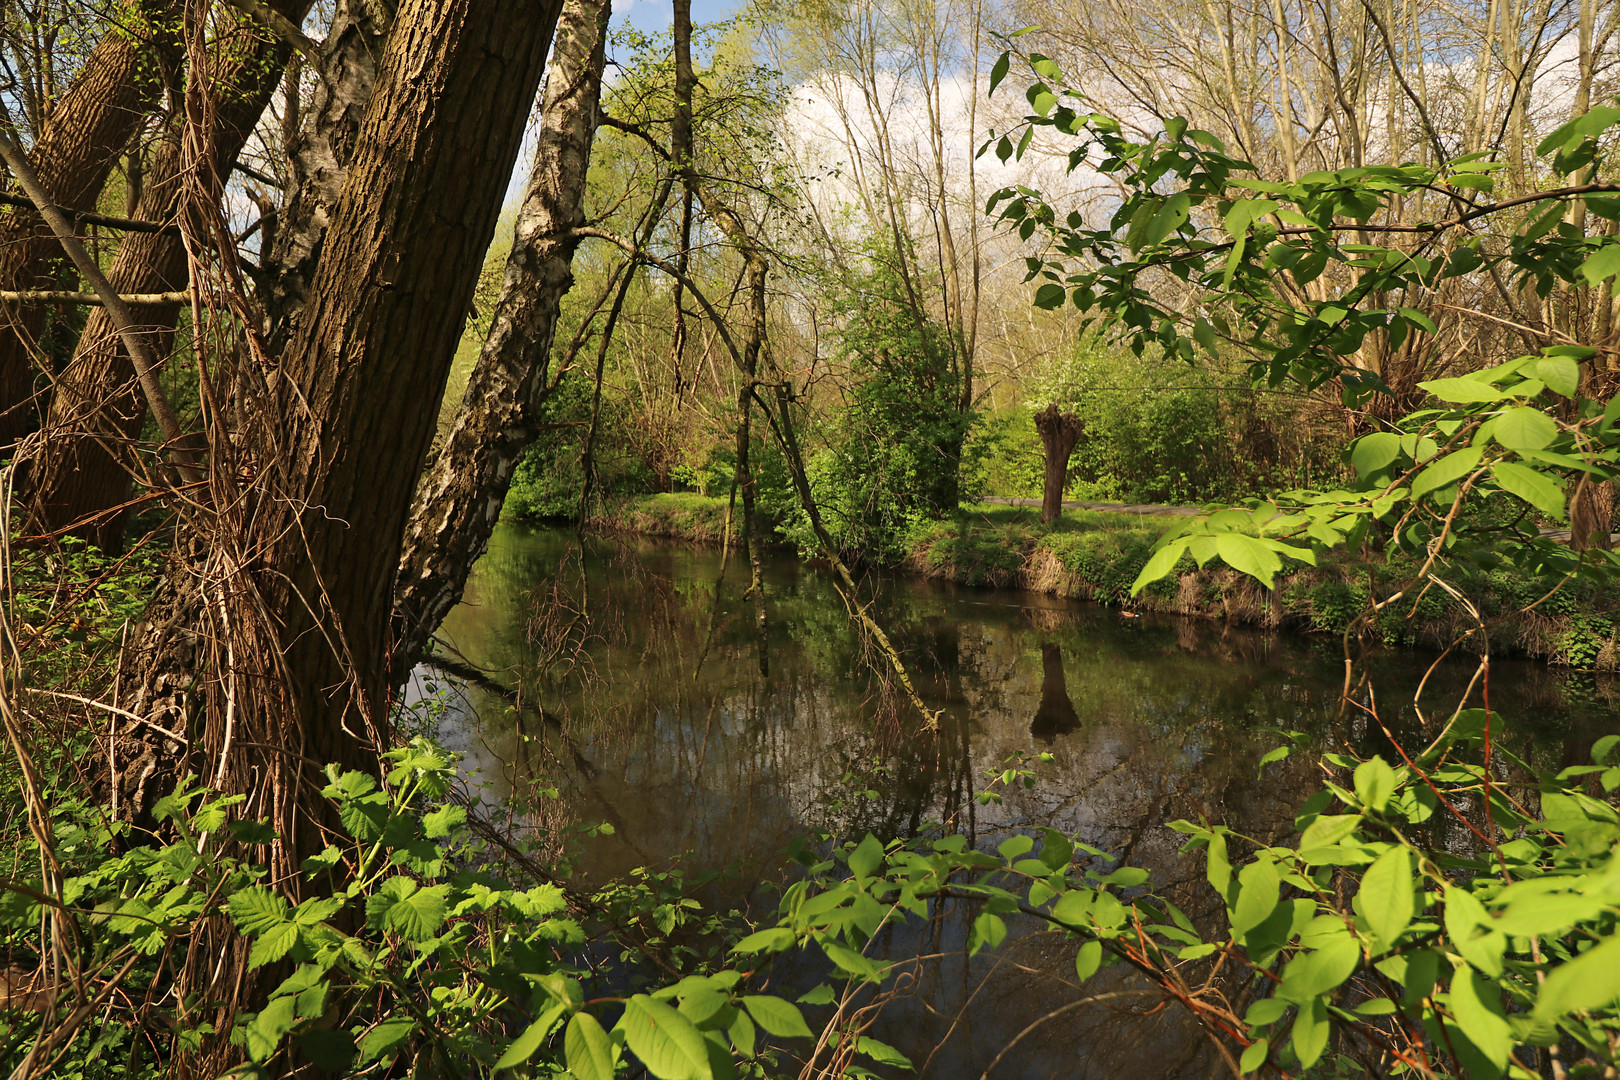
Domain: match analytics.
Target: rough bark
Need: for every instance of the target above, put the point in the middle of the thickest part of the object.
(318, 153)
(366, 368)
(459, 501)
(77, 148)
(269, 648)
(80, 475)
(1059, 432)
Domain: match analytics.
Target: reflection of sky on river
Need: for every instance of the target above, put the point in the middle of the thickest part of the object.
(1146, 721)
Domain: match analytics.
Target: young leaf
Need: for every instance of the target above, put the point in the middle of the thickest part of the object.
(1088, 959)
(1375, 782)
(1386, 895)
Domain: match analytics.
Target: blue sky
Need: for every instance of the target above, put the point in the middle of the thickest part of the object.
(653, 15)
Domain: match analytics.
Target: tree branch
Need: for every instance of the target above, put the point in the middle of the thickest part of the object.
(120, 313)
(85, 217)
(59, 296)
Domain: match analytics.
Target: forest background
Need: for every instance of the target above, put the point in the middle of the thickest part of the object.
(1357, 259)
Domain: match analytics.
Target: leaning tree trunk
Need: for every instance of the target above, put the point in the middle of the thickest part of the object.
(74, 154)
(458, 503)
(298, 575)
(1059, 432)
(81, 475)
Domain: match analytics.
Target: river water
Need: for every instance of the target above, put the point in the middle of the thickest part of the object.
(641, 696)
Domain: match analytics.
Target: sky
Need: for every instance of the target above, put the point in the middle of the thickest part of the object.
(650, 16)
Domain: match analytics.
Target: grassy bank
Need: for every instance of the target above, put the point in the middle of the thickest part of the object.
(1096, 556)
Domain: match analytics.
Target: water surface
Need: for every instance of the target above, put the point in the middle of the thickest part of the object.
(642, 696)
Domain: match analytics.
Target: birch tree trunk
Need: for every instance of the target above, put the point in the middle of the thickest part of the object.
(459, 501)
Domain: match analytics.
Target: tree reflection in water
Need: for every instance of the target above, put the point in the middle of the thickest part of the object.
(661, 723)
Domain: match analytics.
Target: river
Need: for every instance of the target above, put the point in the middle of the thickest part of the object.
(642, 701)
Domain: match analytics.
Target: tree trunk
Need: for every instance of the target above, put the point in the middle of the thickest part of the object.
(459, 502)
(318, 153)
(81, 475)
(1059, 432)
(280, 621)
(76, 150)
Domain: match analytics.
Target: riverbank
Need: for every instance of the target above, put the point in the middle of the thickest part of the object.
(1096, 555)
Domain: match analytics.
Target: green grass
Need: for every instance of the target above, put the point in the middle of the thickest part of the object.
(1097, 555)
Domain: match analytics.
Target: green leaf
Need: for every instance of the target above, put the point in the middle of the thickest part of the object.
(999, 70)
(1259, 889)
(1371, 454)
(1310, 974)
(988, 930)
(1476, 1005)
(1417, 318)
(385, 1037)
(1249, 555)
(589, 1050)
(1311, 1031)
(524, 1046)
(1561, 374)
(1386, 895)
(665, 1041)
(1056, 849)
(256, 910)
(867, 857)
(1375, 782)
(1447, 470)
(1524, 428)
(851, 961)
(1050, 296)
(1463, 390)
(775, 939)
(882, 1053)
(1602, 264)
(400, 904)
(1162, 563)
(742, 1033)
(780, 1018)
(1532, 485)
(1587, 983)
(1088, 959)
(1254, 1056)
(273, 944)
(1219, 868)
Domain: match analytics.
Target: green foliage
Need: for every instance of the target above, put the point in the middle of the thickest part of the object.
(1163, 433)
(894, 454)
(1237, 250)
